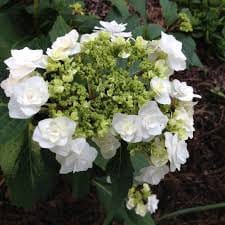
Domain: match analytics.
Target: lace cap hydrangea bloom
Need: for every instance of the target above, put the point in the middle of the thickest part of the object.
(80, 158)
(103, 89)
(28, 97)
(55, 132)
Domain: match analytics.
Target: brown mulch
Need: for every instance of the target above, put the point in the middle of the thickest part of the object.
(201, 181)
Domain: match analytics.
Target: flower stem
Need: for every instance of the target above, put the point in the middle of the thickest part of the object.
(192, 210)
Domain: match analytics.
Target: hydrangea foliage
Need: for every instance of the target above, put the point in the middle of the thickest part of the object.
(96, 95)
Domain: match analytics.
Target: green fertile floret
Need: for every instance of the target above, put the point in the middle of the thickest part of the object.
(93, 85)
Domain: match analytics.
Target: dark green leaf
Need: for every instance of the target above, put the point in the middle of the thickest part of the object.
(139, 31)
(80, 184)
(140, 6)
(122, 7)
(30, 172)
(10, 129)
(189, 49)
(139, 161)
(9, 36)
(85, 24)
(153, 31)
(114, 15)
(121, 173)
(41, 42)
(169, 10)
(59, 28)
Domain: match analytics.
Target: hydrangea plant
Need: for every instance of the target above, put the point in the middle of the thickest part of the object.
(107, 99)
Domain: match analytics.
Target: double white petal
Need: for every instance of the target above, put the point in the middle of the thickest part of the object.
(114, 28)
(27, 97)
(128, 127)
(25, 61)
(177, 151)
(162, 90)
(80, 158)
(173, 49)
(152, 204)
(64, 46)
(152, 174)
(153, 121)
(182, 91)
(51, 133)
(108, 145)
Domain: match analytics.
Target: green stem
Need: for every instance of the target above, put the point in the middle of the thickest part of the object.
(36, 11)
(192, 210)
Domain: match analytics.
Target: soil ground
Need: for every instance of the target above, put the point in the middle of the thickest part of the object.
(201, 181)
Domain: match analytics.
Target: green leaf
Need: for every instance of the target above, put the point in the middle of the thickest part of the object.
(189, 49)
(10, 129)
(59, 28)
(120, 171)
(153, 31)
(30, 172)
(9, 35)
(41, 42)
(139, 161)
(104, 192)
(85, 24)
(80, 184)
(121, 7)
(169, 10)
(140, 6)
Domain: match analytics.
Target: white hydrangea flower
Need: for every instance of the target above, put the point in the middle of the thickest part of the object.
(64, 46)
(28, 97)
(80, 157)
(184, 120)
(128, 127)
(177, 151)
(25, 61)
(108, 145)
(153, 120)
(115, 29)
(152, 204)
(152, 174)
(182, 91)
(173, 48)
(162, 89)
(8, 84)
(141, 209)
(54, 132)
(88, 37)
